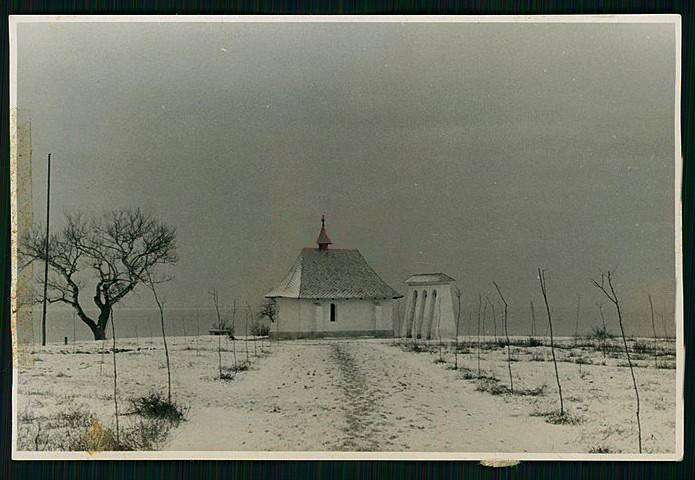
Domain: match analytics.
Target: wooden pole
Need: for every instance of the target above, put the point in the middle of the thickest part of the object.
(45, 270)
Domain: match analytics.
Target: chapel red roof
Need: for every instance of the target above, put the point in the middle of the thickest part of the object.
(335, 273)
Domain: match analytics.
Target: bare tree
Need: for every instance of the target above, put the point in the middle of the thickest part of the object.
(609, 292)
(506, 334)
(233, 330)
(494, 317)
(656, 341)
(116, 248)
(269, 308)
(541, 278)
(216, 301)
(458, 294)
(604, 332)
(152, 283)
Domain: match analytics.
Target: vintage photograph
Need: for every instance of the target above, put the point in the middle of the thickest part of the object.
(346, 237)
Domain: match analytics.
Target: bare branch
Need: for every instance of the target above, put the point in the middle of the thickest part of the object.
(613, 297)
(506, 334)
(544, 291)
(500, 294)
(120, 248)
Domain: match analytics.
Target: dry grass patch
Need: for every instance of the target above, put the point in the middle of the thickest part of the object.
(556, 418)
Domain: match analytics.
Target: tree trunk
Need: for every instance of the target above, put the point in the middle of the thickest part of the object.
(104, 315)
(98, 332)
(98, 328)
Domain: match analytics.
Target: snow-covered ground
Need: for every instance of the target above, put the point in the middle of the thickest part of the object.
(362, 395)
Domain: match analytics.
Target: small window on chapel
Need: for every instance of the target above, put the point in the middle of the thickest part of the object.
(332, 312)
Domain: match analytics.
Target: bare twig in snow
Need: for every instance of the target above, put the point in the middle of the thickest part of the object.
(216, 301)
(494, 318)
(609, 292)
(151, 284)
(458, 322)
(605, 331)
(541, 278)
(656, 341)
(506, 334)
(234, 335)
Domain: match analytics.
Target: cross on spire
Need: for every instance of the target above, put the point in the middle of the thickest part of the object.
(323, 241)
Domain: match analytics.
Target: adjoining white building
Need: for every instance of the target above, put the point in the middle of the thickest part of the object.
(332, 292)
(429, 311)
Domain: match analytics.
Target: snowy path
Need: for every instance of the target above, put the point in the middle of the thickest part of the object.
(362, 395)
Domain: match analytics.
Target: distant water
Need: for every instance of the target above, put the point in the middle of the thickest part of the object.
(145, 323)
(138, 323)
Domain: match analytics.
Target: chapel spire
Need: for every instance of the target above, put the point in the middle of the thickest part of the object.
(323, 241)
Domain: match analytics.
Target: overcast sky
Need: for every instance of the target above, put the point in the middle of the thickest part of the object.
(481, 150)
